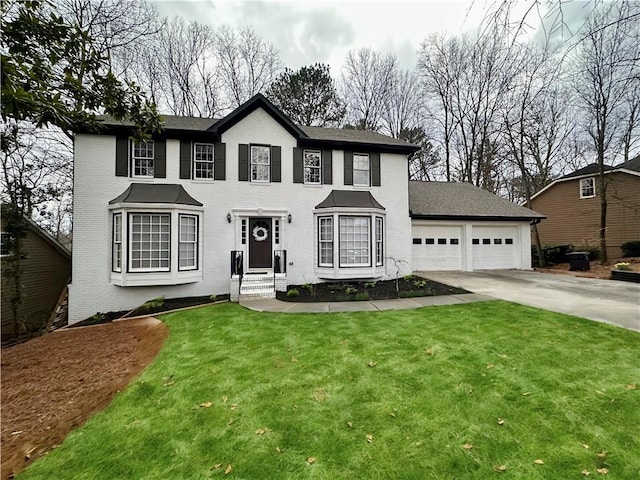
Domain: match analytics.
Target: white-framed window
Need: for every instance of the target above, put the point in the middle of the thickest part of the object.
(325, 241)
(142, 158)
(149, 242)
(4, 244)
(116, 261)
(260, 163)
(587, 187)
(203, 161)
(312, 167)
(355, 241)
(188, 242)
(379, 241)
(361, 167)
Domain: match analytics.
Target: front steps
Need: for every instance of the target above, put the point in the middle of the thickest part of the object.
(257, 285)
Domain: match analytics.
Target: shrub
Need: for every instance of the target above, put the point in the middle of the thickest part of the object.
(362, 296)
(553, 254)
(623, 266)
(592, 249)
(407, 278)
(293, 292)
(631, 249)
(420, 283)
(369, 284)
(350, 290)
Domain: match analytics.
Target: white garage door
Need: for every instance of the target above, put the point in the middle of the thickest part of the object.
(494, 247)
(436, 248)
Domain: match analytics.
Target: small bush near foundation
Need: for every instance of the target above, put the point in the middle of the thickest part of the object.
(293, 292)
(362, 296)
(631, 249)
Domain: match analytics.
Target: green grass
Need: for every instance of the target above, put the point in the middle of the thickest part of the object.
(422, 383)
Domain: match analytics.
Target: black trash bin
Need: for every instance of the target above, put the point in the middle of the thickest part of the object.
(578, 261)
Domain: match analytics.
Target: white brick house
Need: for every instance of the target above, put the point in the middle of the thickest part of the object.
(210, 201)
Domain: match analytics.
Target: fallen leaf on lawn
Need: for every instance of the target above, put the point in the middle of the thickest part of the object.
(231, 420)
(311, 460)
(278, 450)
(586, 473)
(525, 394)
(294, 359)
(393, 414)
(490, 365)
(538, 462)
(428, 351)
(17, 433)
(631, 386)
(234, 406)
(600, 392)
(224, 399)
(168, 381)
(372, 363)
(602, 454)
(500, 421)
(369, 438)
(585, 446)
(217, 466)
(227, 471)
(260, 431)
(467, 446)
(206, 404)
(602, 471)
(350, 424)
(501, 468)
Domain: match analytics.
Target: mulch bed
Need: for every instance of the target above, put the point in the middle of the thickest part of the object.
(54, 383)
(411, 286)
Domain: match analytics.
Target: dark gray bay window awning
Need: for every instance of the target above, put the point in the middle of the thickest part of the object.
(351, 199)
(156, 193)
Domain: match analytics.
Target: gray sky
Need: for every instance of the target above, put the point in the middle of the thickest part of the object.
(306, 32)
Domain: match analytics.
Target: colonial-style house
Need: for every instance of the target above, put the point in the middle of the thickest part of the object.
(572, 207)
(243, 205)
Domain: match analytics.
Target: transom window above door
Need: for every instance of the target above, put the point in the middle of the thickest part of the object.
(260, 163)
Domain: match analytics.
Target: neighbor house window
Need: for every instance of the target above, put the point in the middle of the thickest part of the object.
(203, 160)
(312, 163)
(142, 158)
(587, 188)
(325, 227)
(117, 243)
(379, 244)
(361, 169)
(355, 241)
(188, 243)
(150, 239)
(4, 244)
(260, 163)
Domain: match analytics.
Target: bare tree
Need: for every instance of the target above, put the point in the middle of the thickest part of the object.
(603, 77)
(247, 64)
(366, 82)
(402, 106)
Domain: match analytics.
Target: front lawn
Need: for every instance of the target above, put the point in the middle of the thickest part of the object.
(474, 391)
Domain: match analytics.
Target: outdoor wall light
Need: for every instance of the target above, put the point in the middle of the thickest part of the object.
(289, 218)
(228, 217)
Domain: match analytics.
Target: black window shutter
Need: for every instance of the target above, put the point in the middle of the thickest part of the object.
(243, 162)
(327, 167)
(219, 161)
(276, 167)
(298, 169)
(375, 168)
(348, 167)
(122, 157)
(185, 159)
(160, 159)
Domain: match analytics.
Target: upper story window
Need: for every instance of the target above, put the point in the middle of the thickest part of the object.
(361, 168)
(312, 167)
(587, 188)
(203, 161)
(260, 163)
(4, 244)
(142, 158)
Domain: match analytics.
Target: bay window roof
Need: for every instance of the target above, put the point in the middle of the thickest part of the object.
(350, 198)
(156, 193)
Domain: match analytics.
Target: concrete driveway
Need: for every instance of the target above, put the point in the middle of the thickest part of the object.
(609, 301)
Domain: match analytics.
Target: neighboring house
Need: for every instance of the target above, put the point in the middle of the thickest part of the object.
(243, 205)
(572, 207)
(457, 226)
(46, 267)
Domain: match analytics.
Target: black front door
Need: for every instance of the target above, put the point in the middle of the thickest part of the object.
(259, 243)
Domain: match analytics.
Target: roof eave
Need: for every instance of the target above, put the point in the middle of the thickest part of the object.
(407, 149)
(484, 218)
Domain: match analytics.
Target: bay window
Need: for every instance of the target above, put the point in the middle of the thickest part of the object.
(188, 242)
(325, 241)
(149, 244)
(379, 242)
(355, 241)
(117, 243)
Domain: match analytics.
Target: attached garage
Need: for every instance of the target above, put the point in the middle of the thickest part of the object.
(457, 226)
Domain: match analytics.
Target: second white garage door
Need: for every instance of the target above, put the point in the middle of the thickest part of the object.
(437, 248)
(494, 247)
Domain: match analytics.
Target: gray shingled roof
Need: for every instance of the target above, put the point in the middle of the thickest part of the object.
(445, 199)
(591, 169)
(633, 164)
(174, 122)
(156, 193)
